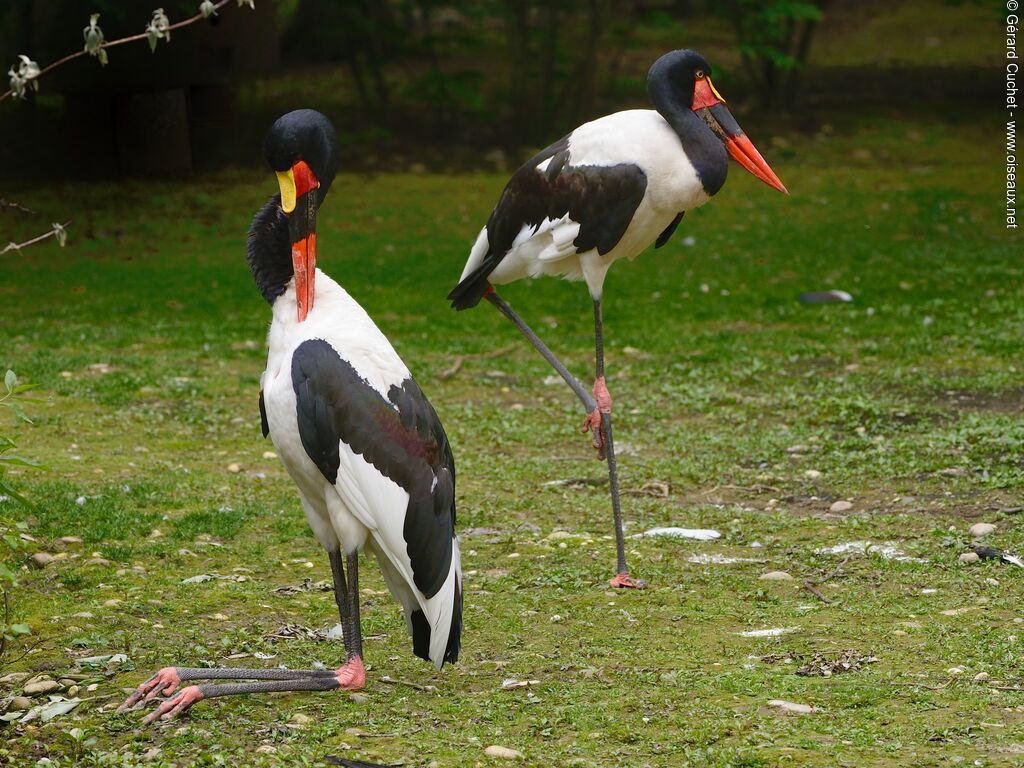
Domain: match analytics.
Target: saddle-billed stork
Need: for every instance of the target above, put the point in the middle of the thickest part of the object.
(605, 192)
(355, 432)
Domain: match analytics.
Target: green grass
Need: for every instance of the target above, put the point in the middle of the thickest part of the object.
(717, 370)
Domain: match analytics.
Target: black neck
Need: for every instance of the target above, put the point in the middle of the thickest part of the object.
(269, 250)
(704, 149)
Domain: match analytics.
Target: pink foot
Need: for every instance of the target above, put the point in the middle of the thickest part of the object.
(626, 581)
(176, 705)
(165, 682)
(351, 676)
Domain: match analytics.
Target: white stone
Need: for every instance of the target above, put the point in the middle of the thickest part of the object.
(968, 557)
(503, 753)
(789, 706)
(981, 529)
(775, 576)
(840, 506)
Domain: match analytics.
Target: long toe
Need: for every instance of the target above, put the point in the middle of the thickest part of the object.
(592, 424)
(165, 681)
(176, 705)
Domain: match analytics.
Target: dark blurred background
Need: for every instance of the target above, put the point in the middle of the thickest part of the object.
(464, 84)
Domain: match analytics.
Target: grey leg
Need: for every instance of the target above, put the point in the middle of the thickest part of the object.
(604, 400)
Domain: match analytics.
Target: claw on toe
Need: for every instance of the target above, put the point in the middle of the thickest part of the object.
(176, 705)
(351, 676)
(592, 423)
(626, 581)
(165, 681)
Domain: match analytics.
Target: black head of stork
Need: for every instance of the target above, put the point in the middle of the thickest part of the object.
(679, 85)
(302, 149)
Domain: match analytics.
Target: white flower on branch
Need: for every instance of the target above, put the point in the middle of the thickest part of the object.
(250, 3)
(24, 77)
(207, 9)
(60, 234)
(158, 29)
(94, 39)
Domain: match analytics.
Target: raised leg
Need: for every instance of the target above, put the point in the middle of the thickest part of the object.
(588, 401)
(602, 415)
(350, 676)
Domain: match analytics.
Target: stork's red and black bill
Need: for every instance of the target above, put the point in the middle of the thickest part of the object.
(298, 200)
(709, 104)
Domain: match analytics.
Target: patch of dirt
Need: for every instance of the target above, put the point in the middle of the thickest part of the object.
(1004, 401)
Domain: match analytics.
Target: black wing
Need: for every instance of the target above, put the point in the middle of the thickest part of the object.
(601, 198)
(264, 424)
(669, 230)
(401, 437)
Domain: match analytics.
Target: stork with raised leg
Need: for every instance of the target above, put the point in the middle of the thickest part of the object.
(603, 193)
(364, 446)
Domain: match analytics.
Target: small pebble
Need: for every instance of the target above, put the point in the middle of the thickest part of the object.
(266, 749)
(42, 559)
(359, 698)
(503, 753)
(981, 677)
(14, 678)
(97, 561)
(981, 529)
(234, 468)
(69, 540)
(812, 474)
(41, 688)
(21, 703)
(112, 603)
(300, 719)
(775, 576)
(969, 557)
(955, 671)
(269, 455)
(789, 706)
(840, 506)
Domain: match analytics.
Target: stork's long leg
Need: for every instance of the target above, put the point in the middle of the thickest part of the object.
(350, 676)
(603, 413)
(599, 419)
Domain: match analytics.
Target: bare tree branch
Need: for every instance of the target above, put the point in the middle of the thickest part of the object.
(112, 43)
(5, 204)
(57, 230)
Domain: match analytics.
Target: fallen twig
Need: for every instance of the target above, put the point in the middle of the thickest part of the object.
(816, 592)
(924, 685)
(460, 360)
(417, 686)
(835, 571)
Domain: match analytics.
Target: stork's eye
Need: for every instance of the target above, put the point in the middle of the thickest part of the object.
(700, 74)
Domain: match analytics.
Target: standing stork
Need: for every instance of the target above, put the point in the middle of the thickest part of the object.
(605, 192)
(364, 446)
